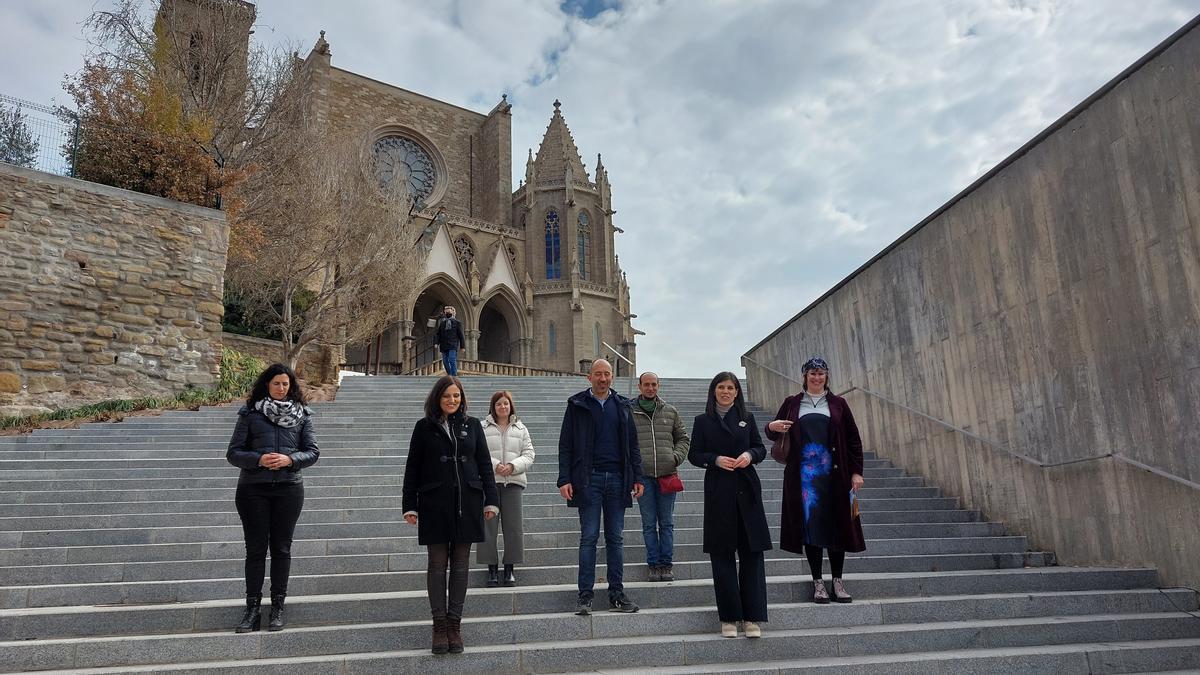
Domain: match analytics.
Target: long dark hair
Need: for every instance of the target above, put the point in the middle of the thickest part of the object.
(260, 390)
(433, 402)
(739, 403)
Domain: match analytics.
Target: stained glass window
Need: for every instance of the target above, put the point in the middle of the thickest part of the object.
(553, 248)
(400, 158)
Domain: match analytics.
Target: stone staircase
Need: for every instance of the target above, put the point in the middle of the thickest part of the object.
(120, 551)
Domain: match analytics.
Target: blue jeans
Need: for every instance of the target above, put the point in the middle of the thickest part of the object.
(450, 361)
(658, 523)
(606, 493)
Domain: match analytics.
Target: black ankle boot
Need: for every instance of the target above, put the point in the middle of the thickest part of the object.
(252, 617)
(276, 622)
(510, 579)
(493, 575)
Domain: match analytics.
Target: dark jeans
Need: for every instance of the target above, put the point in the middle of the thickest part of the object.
(269, 512)
(606, 495)
(450, 361)
(741, 593)
(458, 557)
(658, 523)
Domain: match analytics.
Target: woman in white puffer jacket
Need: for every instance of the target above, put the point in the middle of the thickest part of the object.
(512, 455)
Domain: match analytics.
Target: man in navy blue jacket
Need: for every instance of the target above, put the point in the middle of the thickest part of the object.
(600, 473)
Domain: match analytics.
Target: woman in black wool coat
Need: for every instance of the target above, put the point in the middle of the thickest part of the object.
(726, 443)
(449, 490)
(272, 442)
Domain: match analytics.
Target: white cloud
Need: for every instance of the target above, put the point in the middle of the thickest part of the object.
(759, 151)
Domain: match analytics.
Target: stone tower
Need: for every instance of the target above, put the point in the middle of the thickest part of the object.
(580, 298)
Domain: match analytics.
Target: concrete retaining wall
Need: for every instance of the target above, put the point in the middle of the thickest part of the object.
(1051, 309)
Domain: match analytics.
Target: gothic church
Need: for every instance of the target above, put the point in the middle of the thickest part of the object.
(533, 273)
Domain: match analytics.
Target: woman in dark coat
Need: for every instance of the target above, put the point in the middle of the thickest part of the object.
(449, 489)
(821, 480)
(272, 441)
(725, 442)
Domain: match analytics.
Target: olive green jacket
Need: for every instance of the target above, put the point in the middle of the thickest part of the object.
(661, 438)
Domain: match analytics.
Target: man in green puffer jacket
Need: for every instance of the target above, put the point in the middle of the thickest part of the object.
(664, 445)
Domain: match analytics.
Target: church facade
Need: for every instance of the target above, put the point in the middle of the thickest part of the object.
(532, 272)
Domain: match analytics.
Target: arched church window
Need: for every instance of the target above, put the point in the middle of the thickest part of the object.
(464, 250)
(585, 243)
(553, 246)
(596, 337)
(552, 339)
(402, 164)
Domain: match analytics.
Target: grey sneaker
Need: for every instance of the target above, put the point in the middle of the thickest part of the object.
(654, 574)
(665, 573)
(620, 603)
(839, 592)
(584, 607)
(820, 595)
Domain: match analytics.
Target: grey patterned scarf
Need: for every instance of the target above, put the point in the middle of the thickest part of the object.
(285, 413)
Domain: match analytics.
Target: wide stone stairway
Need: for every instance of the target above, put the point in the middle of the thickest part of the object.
(120, 551)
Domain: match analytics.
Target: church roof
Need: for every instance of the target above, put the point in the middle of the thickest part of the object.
(558, 150)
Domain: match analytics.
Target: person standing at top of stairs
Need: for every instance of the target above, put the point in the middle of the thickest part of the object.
(272, 441)
(599, 467)
(449, 340)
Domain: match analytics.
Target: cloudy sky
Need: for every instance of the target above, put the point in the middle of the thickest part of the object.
(759, 150)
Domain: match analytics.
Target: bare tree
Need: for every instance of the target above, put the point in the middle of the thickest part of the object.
(326, 229)
(202, 50)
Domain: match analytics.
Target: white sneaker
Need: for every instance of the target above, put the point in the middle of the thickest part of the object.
(728, 629)
(752, 629)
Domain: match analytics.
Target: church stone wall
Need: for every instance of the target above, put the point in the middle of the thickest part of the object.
(360, 105)
(104, 293)
(1050, 309)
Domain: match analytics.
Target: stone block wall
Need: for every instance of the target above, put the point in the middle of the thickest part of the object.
(104, 293)
(1049, 310)
(316, 365)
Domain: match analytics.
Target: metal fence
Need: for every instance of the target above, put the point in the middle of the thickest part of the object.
(37, 136)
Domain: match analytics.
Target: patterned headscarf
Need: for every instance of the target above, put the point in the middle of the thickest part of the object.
(815, 363)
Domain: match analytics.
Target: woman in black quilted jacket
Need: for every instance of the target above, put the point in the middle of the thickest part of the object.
(272, 442)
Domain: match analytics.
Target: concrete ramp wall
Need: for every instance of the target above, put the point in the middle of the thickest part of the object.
(1051, 310)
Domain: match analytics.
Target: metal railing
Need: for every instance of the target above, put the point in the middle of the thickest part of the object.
(621, 356)
(38, 136)
(994, 444)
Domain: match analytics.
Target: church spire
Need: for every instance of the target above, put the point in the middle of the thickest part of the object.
(558, 154)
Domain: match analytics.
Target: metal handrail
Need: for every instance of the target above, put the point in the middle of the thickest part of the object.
(994, 444)
(621, 356)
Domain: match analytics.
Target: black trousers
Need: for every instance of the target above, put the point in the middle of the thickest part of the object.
(269, 512)
(837, 559)
(741, 593)
(443, 604)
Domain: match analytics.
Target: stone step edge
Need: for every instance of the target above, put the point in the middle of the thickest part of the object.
(360, 597)
(824, 630)
(848, 662)
(781, 553)
(568, 587)
(911, 657)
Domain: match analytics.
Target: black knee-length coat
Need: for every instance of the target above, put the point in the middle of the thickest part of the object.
(730, 495)
(448, 480)
(847, 460)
